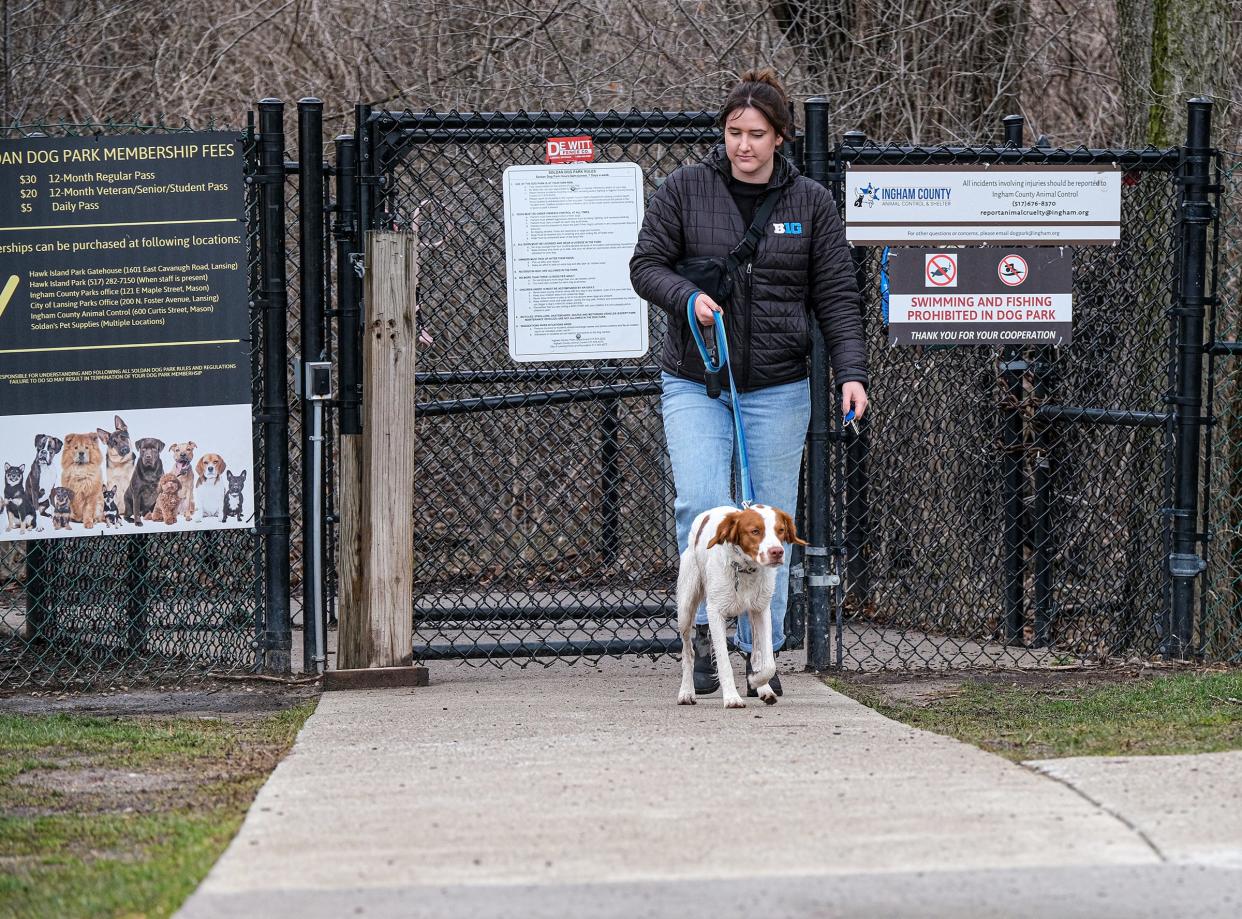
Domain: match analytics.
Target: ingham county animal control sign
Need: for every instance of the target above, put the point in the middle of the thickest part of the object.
(1005, 205)
(125, 401)
(989, 296)
(569, 232)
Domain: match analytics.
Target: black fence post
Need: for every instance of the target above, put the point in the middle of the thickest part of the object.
(1013, 476)
(1185, 564)
(818, 580)
(274, 413)
(311, 264)
(857, 497)
(348, 343)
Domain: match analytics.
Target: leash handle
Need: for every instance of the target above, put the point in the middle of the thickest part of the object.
(722, 343)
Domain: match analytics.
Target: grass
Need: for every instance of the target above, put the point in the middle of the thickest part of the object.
(1182, 713)
(94, 850)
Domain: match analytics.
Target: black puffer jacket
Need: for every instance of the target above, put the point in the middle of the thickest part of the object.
(692, 214)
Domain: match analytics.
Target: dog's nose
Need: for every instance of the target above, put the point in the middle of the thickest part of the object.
(777, 553)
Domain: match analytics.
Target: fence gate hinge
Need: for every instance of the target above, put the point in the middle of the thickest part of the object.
(359, 261)
(823, 580)
(1182, 565)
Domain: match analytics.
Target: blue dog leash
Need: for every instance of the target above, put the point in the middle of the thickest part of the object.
(748, 489)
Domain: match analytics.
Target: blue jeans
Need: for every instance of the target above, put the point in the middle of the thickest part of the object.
(701, 446)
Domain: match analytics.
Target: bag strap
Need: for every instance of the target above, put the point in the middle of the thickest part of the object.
(745, 250)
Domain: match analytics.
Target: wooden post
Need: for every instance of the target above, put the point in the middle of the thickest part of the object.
(377, 481)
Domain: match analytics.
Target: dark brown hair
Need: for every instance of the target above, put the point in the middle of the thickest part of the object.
(761, 90)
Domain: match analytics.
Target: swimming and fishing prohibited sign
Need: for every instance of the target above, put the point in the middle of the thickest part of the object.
(989, 296)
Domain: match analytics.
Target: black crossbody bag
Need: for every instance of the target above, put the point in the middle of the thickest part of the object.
(720, 276)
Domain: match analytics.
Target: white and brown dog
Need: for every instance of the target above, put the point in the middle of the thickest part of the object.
(209, 487)
(731, 562)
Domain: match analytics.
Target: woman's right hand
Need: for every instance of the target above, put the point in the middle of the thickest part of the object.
(704, 306)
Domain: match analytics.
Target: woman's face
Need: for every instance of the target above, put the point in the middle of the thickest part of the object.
(750, 143)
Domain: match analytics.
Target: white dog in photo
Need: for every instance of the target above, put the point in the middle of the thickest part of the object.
(210, 486)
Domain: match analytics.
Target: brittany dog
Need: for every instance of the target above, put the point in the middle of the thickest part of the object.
(731, 561)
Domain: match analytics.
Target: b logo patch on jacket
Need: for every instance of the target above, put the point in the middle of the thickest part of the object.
(787, 229)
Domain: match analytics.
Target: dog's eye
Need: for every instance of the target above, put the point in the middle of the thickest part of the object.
(754, 531)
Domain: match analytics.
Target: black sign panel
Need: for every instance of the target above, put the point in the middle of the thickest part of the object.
(973, 296)
(124, 300)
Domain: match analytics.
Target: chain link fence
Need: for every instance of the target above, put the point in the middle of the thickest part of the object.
(82, 611)
(1000, 507)
(1221, 619)
(1006, 506)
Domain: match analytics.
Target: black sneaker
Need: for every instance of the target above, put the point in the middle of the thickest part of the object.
(706, 680)
(775, 682)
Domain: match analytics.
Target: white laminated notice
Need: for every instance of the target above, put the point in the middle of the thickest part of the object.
(569, 233)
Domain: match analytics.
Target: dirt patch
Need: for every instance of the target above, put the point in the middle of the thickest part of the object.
(204, 699)
(924, 689)
(94, 781)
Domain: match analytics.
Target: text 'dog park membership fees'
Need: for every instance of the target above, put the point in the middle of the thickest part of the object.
(123, 263)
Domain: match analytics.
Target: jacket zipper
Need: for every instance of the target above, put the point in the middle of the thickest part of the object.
(746, 339)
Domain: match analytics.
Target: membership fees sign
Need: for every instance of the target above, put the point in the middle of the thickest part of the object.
(569, 233)
(1006, 205)
(124, 327)
(991, 296)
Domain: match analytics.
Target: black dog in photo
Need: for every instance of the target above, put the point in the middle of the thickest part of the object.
(234, 497)
(143, 487)
(112, 515)
(44, 472)
(62, 507)
(17, 503)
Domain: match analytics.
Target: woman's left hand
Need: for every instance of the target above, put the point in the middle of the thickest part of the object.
(854, 396)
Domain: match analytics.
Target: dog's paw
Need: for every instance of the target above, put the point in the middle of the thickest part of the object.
(686, 698)
(767, 695)
(734, 702)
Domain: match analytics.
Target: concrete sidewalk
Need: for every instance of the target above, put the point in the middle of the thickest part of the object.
(588, 792)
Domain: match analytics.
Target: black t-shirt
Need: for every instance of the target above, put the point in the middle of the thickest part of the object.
(746, 196)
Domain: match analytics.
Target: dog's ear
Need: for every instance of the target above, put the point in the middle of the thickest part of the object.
(102, 434)
(191, 445)
(727, 530)
(40, 440)
(791, 534)
(198, 467)
(120, 425)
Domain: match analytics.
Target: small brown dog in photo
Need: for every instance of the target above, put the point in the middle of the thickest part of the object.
(167, 500)
(81, 471)
(183, 458)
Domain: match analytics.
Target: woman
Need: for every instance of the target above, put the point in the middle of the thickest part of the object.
(801, 271)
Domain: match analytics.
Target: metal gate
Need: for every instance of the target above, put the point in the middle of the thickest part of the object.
(1018, 506)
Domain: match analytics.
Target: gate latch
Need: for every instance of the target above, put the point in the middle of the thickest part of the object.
(823, 580)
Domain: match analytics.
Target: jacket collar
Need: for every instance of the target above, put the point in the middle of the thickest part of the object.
(783, 171)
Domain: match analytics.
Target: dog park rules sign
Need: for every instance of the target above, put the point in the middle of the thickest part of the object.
(989, 296)
(124, 329)
(569, 233)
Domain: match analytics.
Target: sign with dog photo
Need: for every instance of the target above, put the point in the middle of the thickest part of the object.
(125, 399)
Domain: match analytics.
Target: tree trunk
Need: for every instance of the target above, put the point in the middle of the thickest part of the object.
(1169, 51)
